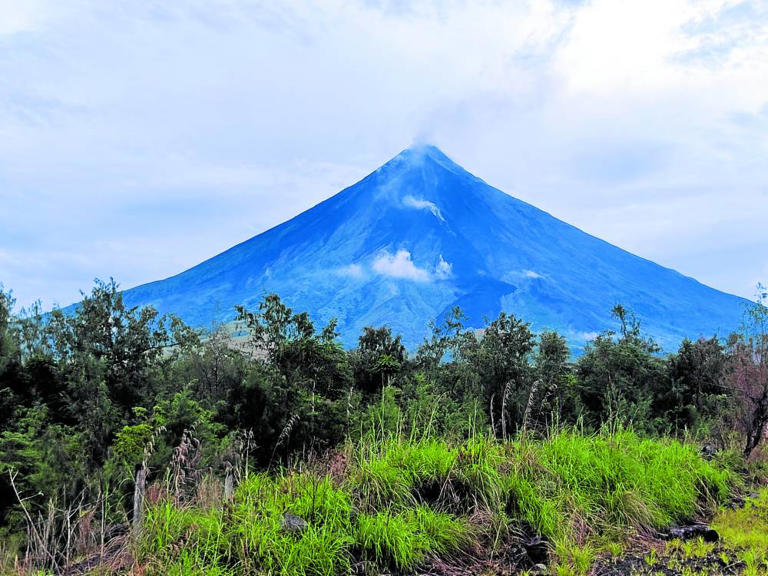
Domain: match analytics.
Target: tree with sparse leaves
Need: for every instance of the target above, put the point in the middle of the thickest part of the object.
(749, 373)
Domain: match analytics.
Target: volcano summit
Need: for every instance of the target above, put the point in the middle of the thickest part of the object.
(420, 235)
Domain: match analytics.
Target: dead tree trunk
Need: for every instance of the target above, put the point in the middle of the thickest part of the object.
(138, 498)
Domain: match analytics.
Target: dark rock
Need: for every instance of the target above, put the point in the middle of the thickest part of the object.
(737, 502)
(708, 452)
(538, 569)
(292, 523)
(537, 550)
(692, 531)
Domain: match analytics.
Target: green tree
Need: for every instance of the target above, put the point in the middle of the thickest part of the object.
(8, 345)
(618, 375)
(103, 359)
(379, 357)
(502, 360)
(10, 367)
(299, 377)
(552, 371)
(695, 392)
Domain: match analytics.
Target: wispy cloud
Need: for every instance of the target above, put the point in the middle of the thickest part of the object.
(351, 271)
(585, 336)
(421, 204)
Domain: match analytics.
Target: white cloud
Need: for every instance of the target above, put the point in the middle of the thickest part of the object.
(399, 265)
(443, 269)
(531, 274)
(421, 204)
(586, 336)
(642, 48)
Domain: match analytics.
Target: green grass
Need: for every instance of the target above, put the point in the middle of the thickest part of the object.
(403, 540)
(746, 531)
(264, 546)
(606, 483)
(401, 502)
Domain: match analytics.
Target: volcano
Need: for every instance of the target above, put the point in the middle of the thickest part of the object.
(421, 235)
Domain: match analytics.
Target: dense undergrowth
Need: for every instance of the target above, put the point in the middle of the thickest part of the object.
(398, 504)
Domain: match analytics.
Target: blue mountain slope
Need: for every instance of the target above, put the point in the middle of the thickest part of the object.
(420, 235)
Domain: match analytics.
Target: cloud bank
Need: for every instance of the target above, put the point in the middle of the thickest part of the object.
(643, 122)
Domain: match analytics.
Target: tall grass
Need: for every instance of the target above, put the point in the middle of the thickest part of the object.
(599, 484)
(402, 501)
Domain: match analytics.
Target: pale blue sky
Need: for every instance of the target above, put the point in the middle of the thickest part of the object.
(139, 138)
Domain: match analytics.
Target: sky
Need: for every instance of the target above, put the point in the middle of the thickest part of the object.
(138, 139)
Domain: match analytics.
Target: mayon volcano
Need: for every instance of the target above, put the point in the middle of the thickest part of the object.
(421, 235)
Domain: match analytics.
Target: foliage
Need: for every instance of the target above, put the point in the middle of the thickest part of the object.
(617, 376)
(378, 358)
(501, 424)
(298, 374)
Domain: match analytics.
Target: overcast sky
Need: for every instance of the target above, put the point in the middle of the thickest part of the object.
(140, 138)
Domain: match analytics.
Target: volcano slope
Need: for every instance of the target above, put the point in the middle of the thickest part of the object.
(421, 235)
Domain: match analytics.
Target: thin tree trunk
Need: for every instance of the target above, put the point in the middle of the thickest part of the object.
(229, 483)
(138, 498)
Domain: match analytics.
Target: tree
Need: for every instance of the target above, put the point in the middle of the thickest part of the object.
(502, 361)
(446, 341)
(379, 357)
(617, 375)
(749, 372)
(109, 359)
(288, 343)
(121, 344)
(10, 368)
(213, 365)
(8, 346)
(696, 387)
(444, 364)
(552, 371)
(300, 374)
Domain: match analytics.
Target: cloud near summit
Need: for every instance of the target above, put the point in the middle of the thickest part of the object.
(421, 204)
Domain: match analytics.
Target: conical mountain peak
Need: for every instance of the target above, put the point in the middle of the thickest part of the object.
(420, 235)
(422, 150)
(422, 157)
